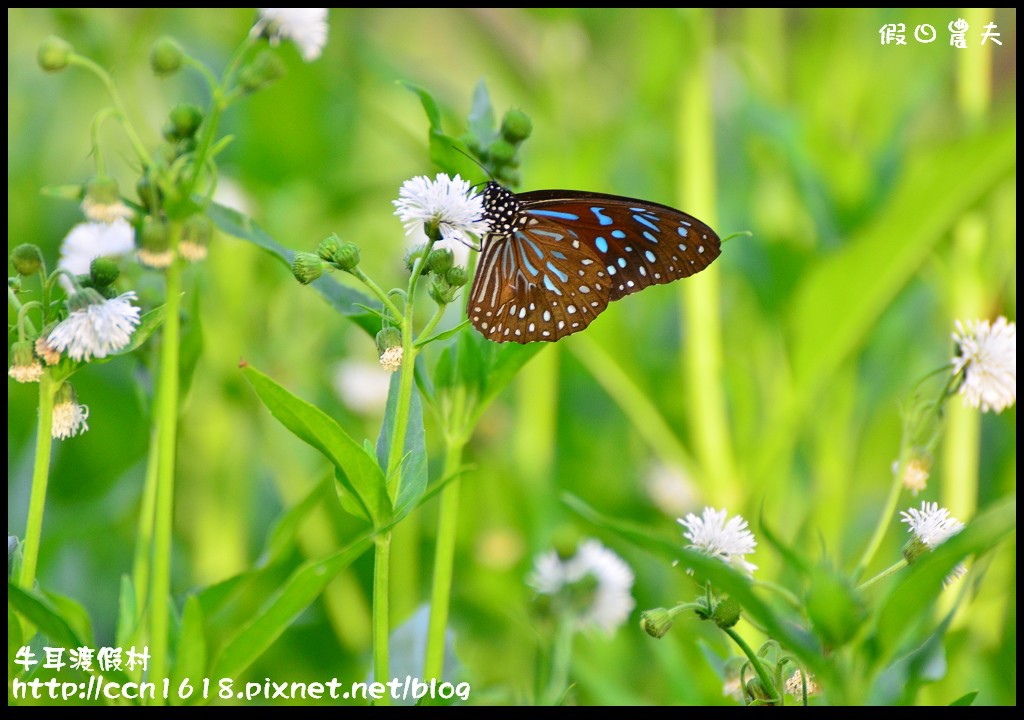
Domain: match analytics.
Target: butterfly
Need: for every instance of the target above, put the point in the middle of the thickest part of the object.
(554, 259)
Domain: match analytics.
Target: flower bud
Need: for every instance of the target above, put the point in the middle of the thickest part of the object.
(183, 122)
(103, 272)
(456, 276)
(307, 267)
(515, 126)
(656, 622)
(412, 255)
(727, 613)
(389, 348)
(154, 244)
(24, 365)
(441, 292)
(264, 70)
(346, 257)
(166, 56)
(195, 238)
(148, 192)
(27, 259)
(102, 201)
(440, 260)
(502, 152)
(54, 53)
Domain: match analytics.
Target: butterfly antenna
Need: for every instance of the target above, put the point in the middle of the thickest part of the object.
(475, 162)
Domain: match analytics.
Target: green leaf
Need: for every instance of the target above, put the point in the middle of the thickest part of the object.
(127, 612)
(481, 115)
(266, 626)
(43, 615)
(965, 700)
(285, 533)
(191, 656)
(443, 335)
(414, 449)
(345, 300)
(428, 102)
(444, 149)
(75, 614)
(921, 585)
(311, 425)
(836, 608)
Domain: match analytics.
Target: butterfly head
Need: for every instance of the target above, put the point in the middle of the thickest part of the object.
(501, 209)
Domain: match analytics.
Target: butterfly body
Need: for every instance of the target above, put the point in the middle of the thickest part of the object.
(554, 259)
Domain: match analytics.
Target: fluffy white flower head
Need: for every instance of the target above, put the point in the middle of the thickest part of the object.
(96, 327)
(728, 540)
(608, 604)
(306, 27)
(69, 419)
(448, 203)
(987, 354)
(932, 525)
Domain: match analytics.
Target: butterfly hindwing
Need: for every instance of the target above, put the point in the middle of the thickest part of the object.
(555, 259)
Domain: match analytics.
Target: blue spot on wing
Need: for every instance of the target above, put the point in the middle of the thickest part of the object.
(551, 286)
(682, 231)
(601, 244)
(554, 214)
(561, 275)
(618, 234)
(650, 237)
(540, 254)
(644, 221)
(601, 217)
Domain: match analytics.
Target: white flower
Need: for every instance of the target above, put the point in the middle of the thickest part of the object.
(25, 366)
(931, 524)
(728, 541)
(915, 473)
(955, 574)
(795, 685)
(103, 212)
(88, 241)
(447, 203)
(362, 386)
(69, 419)
(987, 355)
(594, 585)
(306, 27)
(96, 327)
(391, 359)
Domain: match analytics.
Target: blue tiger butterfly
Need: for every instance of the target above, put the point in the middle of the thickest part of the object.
(554, 259)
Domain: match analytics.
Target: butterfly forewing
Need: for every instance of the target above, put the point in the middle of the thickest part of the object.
(555, 259)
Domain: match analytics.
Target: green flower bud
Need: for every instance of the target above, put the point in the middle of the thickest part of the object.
(54, 53)
(727, 613)
(472, 143)
(328, 247)
(502, 152)
(389, 348)
(307, 267)
(154, 244)
(456, 276)
(148, 192)
(441, 292)
(103, 190)
(343, 255)
(914, 549)
(24, 366)
(266, 69)
(27, 259)
(516, 126)
(166, 56)
(183, 121)
(103, 272)
(656, 622)
(414, 254)
(195, 238)
(440, 261)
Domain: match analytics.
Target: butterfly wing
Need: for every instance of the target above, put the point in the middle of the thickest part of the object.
(568, 254)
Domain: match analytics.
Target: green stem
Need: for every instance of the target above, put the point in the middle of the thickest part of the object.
(381, 620)
(40, 477)
(703, 367)
(97, 148)
(755, 661)
(561, 660)
(144, 537)
(444, 562)
(891, 570)
(104, 76)
(384, 298)
(166, 437)
(883, 519)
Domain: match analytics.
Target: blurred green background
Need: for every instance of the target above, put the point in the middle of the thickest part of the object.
(878, 183)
